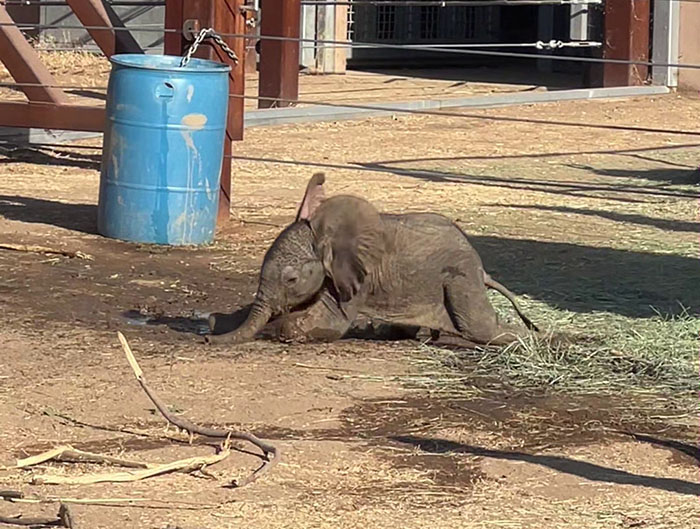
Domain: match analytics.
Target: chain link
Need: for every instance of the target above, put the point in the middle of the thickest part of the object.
(207, 32)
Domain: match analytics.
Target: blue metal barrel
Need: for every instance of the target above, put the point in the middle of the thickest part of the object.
(162, 149)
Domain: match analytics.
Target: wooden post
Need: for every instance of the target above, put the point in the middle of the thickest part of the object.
(332, 24)
(627, 24)
(96, 13)
(279, 59)
(225, 16)
(341, 34)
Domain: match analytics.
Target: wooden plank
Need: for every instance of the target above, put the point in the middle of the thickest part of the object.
(665, 47)
(341, 34)
(24, 64)
(279, 59)
(52, 116)
(96, 13)
(627, 24)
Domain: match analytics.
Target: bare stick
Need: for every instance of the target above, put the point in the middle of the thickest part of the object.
(70, 454)
(271, 453)
(32, 248)
(183, 465)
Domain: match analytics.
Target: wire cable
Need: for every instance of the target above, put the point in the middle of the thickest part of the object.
(473, 52)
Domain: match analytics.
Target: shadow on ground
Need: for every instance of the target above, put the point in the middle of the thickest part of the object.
(77, 217)
(617, 192)
(673, 176)
(567, 276)
(586, 279)
(641, 220)
(51, 156)
(589, 471)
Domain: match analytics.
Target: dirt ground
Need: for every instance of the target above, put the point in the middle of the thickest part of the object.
(592, 213)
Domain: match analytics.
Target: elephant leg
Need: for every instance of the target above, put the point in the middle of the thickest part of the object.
(322, 321)
(472, 313)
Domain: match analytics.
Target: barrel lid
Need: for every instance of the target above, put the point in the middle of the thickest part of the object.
(170, 63)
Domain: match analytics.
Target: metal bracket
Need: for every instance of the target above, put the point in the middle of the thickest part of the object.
(251, 14)
(190, 29)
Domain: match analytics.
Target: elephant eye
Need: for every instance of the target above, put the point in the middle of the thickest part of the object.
(289, 275)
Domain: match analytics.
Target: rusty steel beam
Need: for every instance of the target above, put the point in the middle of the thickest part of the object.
(279, 59)
(52, 116)
(96, 13)
(24, 64)
(627, 24)
(174, 41)
(225, 16)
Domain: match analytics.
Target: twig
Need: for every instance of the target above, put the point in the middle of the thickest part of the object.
(183, 465)
(271, 453)
(70, 454)
(136, 503)
(32, 248)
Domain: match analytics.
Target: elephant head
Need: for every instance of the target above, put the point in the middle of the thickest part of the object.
(336, 239)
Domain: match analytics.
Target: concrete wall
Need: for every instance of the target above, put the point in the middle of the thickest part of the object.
(689, 45)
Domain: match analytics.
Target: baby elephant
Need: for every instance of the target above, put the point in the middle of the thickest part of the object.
(342, 259)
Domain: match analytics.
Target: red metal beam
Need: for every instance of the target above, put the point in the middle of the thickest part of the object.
(52, 116)
(174, 41)
(627, 24)
(96, 13)
(24, 64)
(225, 16)
(279, 59)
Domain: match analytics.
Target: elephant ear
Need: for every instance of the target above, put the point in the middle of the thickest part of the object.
(350, 241)
(313, 197)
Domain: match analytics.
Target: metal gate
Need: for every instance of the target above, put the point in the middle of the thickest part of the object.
(417, 25)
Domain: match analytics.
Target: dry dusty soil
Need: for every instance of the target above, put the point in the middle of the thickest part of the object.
(581, 207)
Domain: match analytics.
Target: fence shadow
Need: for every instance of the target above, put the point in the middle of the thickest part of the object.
(77, 217)
(53, 157)
(575, 467)
(567, 276)
(587, 279)
(672, 176)
(620, 193)
(641, 220)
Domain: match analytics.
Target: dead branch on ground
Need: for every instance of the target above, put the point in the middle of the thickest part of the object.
(33, 248)
(63, 519)
(183, 465)
(69, 454)
(145, 470)
(271, 454)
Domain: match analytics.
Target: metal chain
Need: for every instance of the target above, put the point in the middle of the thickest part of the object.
(208, 32)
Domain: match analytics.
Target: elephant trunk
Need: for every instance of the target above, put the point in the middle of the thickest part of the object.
(258, 316)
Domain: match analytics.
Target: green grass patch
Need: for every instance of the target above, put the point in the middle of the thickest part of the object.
(611, 354)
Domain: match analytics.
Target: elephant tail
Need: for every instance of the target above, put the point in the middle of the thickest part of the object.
(492, 283)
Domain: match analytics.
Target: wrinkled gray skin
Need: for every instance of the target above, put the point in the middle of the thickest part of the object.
(341, 259)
